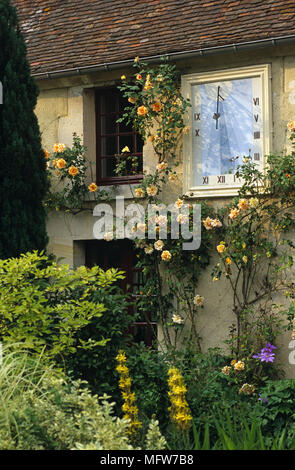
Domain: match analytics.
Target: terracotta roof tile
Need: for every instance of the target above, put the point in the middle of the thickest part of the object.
(63, 34)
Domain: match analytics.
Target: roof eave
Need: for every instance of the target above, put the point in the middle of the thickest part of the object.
(107, 66)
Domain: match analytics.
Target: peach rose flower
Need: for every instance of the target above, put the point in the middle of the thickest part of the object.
(152, 190)
(142, 111)
(156, 106)
(162, 166)
(243, 204)
(93, 187)
(139, 192)
(166, 255)
(60, 163)
(59, 148)
(291, 126)
(73, 170)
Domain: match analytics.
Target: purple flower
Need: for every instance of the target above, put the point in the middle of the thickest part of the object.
(265, 400)
(266, 354)
(270, 347)
(267, 357)
(256, 356)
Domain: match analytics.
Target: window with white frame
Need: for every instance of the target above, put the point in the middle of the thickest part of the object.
(230, 119)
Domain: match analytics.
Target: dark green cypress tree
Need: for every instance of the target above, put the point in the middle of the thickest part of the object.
(23, 178)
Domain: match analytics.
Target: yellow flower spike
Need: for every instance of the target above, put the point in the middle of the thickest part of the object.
(121, 357)
(129, 407)
(179, 410)
(123, 370)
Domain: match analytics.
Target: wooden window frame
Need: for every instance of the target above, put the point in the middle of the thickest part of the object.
(112, 180)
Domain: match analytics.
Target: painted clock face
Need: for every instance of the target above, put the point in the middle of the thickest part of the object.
(227, 126)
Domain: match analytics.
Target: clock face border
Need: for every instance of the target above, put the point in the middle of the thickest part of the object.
(220, 187)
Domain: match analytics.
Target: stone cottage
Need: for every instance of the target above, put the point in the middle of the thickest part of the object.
(234, 55)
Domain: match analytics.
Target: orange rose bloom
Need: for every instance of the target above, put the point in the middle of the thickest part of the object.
(138, 76)
(73, 170)
(142, 111)
(157, 107)
(132, 100)
(59, 148)
(93, 187)
(46, 153)
(61, 163)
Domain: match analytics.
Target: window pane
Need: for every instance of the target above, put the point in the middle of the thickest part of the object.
(123, 127)
(108, 166)
(108, 146)
(139, 143)
(123, 103)
(137, 281)
(139, 165)
(126, 140)
(108, 102)
(113, 137)
(108, 124)
(115, 256)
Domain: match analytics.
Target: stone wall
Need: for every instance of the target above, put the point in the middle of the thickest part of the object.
(67, 105)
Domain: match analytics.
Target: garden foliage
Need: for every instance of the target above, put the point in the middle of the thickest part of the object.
(48, 306)
(41, 409)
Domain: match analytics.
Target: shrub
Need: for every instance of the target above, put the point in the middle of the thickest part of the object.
(41, 409)
(48, 307)
(23, 177)
(97, 365)
(277, 402)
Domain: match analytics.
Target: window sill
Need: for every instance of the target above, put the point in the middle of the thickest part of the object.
(123, 189)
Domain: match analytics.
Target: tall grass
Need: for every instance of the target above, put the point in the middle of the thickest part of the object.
(20, 375)
(236, 433)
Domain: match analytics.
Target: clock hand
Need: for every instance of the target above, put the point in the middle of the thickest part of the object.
(216, 115)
